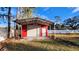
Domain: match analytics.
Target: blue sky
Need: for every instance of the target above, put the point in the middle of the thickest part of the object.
(49, 13)
(3, 22)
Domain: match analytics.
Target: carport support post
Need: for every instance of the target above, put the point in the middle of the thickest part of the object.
(18, 30)
(14, 30)
(50, 30)
(36, 31)
(21, 31)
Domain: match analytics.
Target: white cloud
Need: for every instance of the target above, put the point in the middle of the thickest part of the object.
(75, 10)
(41, 16)
(46, 8)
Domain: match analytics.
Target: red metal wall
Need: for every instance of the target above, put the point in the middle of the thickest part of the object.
(46, 30)
(24, 30)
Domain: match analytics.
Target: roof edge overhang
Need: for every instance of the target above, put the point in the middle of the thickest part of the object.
(33, 20)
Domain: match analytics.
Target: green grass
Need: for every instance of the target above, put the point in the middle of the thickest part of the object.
(74, 41)
(65, 35)
(43, 45)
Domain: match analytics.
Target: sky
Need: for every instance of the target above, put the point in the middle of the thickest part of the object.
(49, 13)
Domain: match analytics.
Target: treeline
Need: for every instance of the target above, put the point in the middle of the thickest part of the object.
(68, 24)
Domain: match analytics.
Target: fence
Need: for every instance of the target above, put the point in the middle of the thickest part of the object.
(63, 31)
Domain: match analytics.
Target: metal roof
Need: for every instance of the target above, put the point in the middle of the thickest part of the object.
(33, 20)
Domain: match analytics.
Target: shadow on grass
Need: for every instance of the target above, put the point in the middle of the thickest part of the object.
(60, 41)
(67, 43)
(23, 47)
(27, 47)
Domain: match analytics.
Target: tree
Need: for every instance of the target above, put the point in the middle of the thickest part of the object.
(8, 16)
(57, 24)
(63, 27)
(57, 19)
(25, 12)
(9, 20)
(72, 23)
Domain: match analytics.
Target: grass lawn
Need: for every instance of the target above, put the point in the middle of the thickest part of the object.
(43, 45)
(66, 35)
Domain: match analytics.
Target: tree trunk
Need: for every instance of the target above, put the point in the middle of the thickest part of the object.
(9, 15)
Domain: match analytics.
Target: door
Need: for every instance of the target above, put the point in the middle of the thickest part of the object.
(24, 30)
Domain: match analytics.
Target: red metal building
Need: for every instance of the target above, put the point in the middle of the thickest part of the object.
(33, 27)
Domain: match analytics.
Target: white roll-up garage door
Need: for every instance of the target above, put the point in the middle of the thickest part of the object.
(32, 31)
(43, 32)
